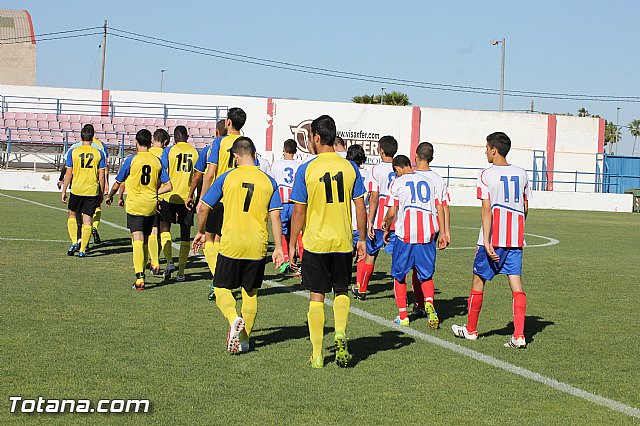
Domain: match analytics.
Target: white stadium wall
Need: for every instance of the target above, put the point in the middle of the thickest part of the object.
(569, 144)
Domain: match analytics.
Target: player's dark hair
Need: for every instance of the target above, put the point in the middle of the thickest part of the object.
(499, 141)
(325, 127)
(243, 146)
(87, 132)
(290, 146)
(424, 151)
(401, 161)
(221, 128)
(356, 154)
(143, 137)
(180, 134)
(339, 141)
(389, 145)
(238, 117)
(162, 136)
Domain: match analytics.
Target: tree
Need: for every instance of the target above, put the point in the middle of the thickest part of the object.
(392, 98)
(634, 129)
(582, 112)
(612, 135)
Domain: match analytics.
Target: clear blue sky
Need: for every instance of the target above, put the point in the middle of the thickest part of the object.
(552, 46)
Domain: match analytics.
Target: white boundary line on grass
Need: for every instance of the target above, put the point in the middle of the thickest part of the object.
(550, 241)
(33, 240)
(487, 359)
(454, 347)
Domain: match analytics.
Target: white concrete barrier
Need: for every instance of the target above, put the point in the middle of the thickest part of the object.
(460, 196)
(555, 200)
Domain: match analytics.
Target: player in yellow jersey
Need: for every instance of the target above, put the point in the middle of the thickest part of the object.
(98, 213)
(86, 165)
(145, 178)
(250, 197)
(201, 168)
(178, 160)
(159, 142)
(322, 193)
(219, 162)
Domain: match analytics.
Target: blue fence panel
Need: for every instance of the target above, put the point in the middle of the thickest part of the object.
(621, 173)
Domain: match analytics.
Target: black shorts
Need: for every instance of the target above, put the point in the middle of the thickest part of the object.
(156, 220)
(175, 213)
(83, 204)
(326, 272)
(214, 219)
(137, 223)
(234, 273)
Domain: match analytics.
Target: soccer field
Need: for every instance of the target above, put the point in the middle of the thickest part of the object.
(73, 328)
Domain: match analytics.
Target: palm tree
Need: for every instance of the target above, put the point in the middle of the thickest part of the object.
(634, 129)
(612, 135)
(582, 112)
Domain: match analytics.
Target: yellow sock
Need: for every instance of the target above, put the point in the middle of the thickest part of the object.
(86, 234)
(138, 256)
(154, 250)
(316, 326)
(72, 227)
(249, 309)
(226, 303)
(97, 215)
(211, 250)
(341, 305)
(184, 255)
(165, 240)
(145, 248)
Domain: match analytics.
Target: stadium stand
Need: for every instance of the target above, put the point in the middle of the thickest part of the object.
(47, 135)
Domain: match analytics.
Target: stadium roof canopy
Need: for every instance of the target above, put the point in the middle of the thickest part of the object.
(16, 27)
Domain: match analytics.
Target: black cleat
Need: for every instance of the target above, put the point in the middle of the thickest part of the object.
(96, 236)
(357, 294)
(73, 249)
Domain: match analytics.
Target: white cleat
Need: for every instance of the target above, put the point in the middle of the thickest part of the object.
(518, 343)
(462, 332)
(233, 339)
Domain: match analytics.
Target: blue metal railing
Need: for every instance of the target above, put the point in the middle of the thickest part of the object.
(60, 106)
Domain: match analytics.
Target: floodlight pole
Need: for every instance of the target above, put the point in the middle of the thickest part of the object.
(104, 53)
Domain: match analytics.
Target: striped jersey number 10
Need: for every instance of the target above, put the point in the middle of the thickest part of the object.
(516, 187)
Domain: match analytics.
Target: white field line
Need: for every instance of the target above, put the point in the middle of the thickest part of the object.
(550, 241)
(478, 356)
(454, 347)
(33, 240)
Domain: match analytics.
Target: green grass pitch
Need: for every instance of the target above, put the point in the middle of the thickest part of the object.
(73, 328)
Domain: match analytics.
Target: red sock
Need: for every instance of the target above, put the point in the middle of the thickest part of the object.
(359, 272)
(428, 290)
(418, 297)
(474, 304)
(285, 248)
(519, 310)
(400, 292)
(367, 270)
(300, 246)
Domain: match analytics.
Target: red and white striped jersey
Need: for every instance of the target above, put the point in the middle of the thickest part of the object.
(284, 173)
(416, 198)
(507, 188)
(381, 177)
(440, 184)
(366, 179)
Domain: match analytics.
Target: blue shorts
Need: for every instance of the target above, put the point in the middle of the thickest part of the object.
(421, 257)
(285, 217)
(374, 245)
(510, 262)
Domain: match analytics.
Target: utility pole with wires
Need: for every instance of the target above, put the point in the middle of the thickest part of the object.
(104, 54)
